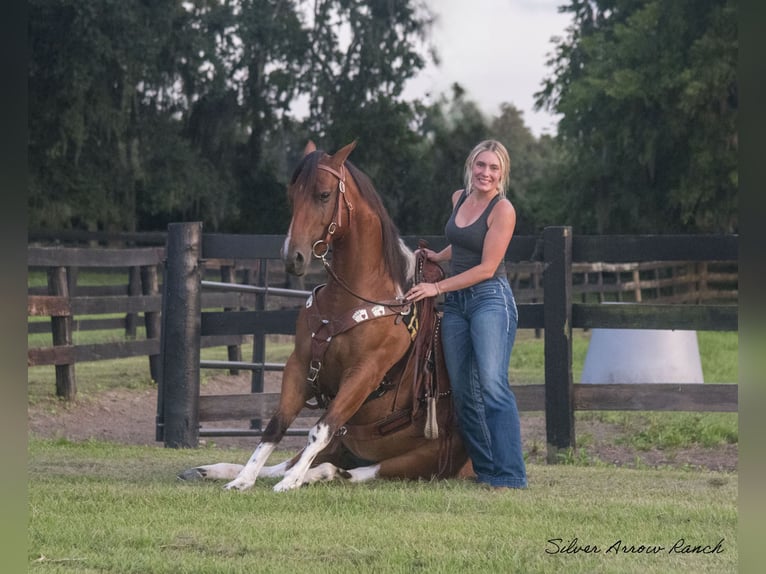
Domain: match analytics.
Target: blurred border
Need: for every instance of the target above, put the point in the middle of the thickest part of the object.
(752, 324)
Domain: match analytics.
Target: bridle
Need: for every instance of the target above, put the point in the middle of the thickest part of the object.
(335, 229)
(336, 221)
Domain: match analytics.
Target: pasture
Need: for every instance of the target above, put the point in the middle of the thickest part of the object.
(105, 507)
(99, 507)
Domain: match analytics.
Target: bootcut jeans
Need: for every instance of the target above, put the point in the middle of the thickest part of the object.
(478, 332)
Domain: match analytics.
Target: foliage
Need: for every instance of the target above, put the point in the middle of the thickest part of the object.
(144, 113)
(648, 97)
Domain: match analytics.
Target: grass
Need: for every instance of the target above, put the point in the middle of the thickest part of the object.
(98, 507)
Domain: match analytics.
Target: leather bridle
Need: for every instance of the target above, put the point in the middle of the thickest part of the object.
(335, 230)
(336, 222)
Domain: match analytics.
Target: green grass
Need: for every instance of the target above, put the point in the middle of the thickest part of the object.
(99, 507)
(96, 507)
(719, 354)
(668, 430)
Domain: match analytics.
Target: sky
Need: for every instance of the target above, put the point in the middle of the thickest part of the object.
(496, 50)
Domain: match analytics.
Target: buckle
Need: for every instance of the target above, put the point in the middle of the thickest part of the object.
(314, 371)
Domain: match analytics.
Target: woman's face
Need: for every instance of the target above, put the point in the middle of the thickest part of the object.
(486, 172)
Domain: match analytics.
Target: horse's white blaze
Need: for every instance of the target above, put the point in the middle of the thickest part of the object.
(249, 473)
(286, 245)
(319, 438)
(364, 473)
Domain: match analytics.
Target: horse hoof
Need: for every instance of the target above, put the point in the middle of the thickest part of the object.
(239, 485)
(284, 486)
(192, 474)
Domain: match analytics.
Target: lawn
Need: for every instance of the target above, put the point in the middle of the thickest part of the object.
(98, 507)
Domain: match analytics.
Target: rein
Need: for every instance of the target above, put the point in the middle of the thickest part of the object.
(332, 229)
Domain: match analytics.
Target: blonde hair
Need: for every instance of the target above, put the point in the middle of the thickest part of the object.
(505, 164)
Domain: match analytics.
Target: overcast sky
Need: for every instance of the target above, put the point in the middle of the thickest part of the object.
(496, 50)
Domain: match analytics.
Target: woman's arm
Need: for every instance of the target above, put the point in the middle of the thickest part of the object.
(501, 224)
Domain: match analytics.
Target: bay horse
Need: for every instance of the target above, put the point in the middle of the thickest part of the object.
(354, 353)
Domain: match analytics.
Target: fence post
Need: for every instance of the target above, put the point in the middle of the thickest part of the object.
(536, 285)
(150, 286)
(228, 275)
(134, 289)
(178, 392)
(61, 329)
(557, 290)
(259, 339)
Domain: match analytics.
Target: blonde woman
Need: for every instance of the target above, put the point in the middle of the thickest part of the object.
(480, 317)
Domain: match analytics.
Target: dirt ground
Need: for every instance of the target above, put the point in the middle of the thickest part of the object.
(128, 417)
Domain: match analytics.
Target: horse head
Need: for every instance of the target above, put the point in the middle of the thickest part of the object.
(320, 207)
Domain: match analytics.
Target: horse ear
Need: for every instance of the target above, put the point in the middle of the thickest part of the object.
(310, 147)
(342, 154)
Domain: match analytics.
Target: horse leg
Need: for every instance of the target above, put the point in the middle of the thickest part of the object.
(320, 436)
(218, 471)
(294, 395)
(420, 463)
(228, 471)
(334, 455)
(358, 383)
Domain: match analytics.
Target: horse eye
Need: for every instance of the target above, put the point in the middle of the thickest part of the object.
(324, 196)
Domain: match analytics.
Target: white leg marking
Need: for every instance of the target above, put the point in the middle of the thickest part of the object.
(218, 471)
(249, 473)
(319, 438)
(364, 473)
(275, 470)
(325, 471)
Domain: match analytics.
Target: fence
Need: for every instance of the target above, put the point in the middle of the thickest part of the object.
(73, 306)
(181, 409)
(64, 300)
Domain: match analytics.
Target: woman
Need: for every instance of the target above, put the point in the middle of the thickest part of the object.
(480, 317)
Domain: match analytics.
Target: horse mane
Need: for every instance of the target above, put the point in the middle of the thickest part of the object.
(395, 254)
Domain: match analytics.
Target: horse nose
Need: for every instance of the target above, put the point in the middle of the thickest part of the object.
(295, 263)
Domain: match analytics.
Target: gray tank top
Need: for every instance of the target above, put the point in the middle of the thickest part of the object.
(468, 242)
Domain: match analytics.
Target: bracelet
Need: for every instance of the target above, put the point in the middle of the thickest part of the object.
(438, 291)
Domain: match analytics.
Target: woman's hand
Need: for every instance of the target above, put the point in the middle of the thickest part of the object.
(422, 290)
(431, 255)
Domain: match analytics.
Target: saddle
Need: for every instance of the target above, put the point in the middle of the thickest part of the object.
(422, 367)
(431, 381)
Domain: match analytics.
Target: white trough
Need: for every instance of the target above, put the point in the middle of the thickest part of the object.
(642, 356)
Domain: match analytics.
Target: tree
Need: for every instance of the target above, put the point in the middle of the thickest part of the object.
(361, 55)
(149, 112)
(449, 129)
(648, 95)
(530, 160)
(109, 87)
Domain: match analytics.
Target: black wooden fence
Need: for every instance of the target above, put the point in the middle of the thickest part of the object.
(181, 409)
(73, 307)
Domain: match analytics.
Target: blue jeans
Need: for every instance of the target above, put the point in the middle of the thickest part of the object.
(478, 332)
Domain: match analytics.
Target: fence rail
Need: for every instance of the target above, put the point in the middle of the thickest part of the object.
(71, 306)
(181, 409)
(559, 281)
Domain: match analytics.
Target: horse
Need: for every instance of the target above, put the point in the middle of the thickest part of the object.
(355, 353)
